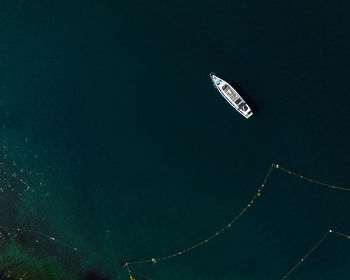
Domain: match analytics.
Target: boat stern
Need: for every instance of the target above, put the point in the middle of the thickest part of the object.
(248, 115)
(245, 110)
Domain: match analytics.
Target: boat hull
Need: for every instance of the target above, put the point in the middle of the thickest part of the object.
(231, 96)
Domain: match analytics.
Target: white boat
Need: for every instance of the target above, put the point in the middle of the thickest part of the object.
(231, 96)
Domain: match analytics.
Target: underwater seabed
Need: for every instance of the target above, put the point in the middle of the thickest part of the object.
(17, 264)
(28, 244)
(29, 226)
(24, 254)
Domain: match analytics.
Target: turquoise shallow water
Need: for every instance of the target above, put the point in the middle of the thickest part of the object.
(107, 109)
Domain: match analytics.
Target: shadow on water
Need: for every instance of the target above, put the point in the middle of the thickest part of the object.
(91, 275)
(246, 98)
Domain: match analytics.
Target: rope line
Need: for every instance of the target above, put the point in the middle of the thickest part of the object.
(19, 230)
(312, 250)
(309, 179)
(227, 226)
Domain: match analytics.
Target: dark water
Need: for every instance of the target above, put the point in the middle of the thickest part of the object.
(108, 105)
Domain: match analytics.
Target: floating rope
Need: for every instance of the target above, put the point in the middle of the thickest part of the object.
(21, 230)
(309, 179)
(226, 227)
(313, 249)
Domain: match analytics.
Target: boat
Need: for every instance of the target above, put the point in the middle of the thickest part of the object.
(231, 96)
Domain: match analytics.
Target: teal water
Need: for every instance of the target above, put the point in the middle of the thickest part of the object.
(108, 114)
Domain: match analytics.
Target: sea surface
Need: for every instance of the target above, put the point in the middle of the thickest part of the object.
(114, 142)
